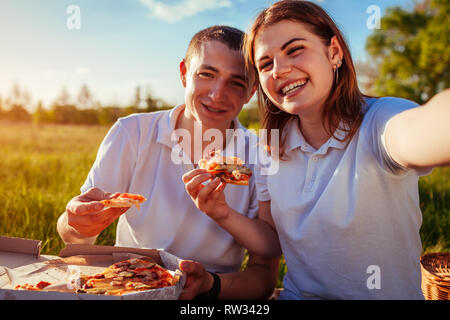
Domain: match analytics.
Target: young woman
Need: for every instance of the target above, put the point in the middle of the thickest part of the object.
(344, 202)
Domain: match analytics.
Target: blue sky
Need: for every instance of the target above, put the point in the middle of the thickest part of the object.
(125, 43)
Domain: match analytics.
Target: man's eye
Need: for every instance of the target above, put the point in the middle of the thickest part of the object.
(205, 74)
(238, 84)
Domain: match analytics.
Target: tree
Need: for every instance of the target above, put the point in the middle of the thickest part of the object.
(18, 97)
(18, 113)
(1, 108)
(411, 51)
(84, 97)
(41, 115)
(17, 103)
(63, 99)
(137, 97)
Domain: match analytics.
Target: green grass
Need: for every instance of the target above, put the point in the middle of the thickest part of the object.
(43, 167)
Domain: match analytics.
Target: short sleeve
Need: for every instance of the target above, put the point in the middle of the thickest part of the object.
(376, 120)
(261, 173)
(115, 162)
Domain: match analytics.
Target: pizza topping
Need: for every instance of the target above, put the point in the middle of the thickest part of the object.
(238, 175)
(124, 200)
(41, 285)
(229, 169)
(123, 277)
(128, 276)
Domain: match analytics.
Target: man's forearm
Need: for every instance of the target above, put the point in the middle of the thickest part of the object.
(69, 234)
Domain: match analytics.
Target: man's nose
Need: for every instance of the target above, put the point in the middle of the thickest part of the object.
(218, 91)
(281, 67)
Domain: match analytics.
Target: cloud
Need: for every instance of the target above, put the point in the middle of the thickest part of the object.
(82, 70)
(184, 8)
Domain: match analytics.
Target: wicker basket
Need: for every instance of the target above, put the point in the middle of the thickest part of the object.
(436, 276)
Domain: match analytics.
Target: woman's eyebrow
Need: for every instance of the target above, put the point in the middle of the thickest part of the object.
(290, 41)
(283, 46)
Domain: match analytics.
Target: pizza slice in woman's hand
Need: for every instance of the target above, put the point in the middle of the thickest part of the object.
(228, 169)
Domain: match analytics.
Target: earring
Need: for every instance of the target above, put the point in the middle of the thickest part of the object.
(268, 110)
(336, 70)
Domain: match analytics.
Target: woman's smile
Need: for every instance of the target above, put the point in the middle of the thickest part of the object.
(292, 88)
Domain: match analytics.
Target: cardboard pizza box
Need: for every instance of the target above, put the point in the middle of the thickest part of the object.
(21, 262)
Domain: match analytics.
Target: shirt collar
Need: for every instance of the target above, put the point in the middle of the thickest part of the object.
(295, 139)
(167, 125)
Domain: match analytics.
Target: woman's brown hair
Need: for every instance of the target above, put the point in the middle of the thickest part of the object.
(345, 101)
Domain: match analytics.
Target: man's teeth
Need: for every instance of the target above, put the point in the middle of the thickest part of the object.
(293, 86)
(213, 110)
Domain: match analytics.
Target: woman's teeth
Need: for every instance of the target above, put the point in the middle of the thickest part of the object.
(291, 87)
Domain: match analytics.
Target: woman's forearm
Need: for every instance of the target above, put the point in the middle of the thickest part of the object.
(257, 281)
(254, 234)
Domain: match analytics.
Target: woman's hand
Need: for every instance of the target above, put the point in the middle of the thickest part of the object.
(208, 198)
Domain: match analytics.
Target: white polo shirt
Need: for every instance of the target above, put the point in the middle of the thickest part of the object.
(347, 216)
(135, 157)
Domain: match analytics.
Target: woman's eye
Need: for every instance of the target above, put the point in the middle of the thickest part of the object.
(295, 49)
(265, 65)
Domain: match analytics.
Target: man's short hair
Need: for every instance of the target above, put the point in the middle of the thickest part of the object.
(231, 37)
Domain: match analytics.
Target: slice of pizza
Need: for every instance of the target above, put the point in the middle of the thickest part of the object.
(228, 169)
(41, 285)
(127, 276)
(124, 200)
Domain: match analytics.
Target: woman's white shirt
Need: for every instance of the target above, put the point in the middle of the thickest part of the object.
(347, 215)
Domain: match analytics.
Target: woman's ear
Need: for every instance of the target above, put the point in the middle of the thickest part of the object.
(335, 52)
(183, 71)
(252, 92)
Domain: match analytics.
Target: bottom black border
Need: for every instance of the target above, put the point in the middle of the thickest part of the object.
(270, 309)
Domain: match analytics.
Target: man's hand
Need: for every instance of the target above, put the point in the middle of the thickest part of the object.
(197, 280)
(208, 198)
(88, 216)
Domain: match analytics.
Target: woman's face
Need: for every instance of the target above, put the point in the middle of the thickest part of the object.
(295, 68)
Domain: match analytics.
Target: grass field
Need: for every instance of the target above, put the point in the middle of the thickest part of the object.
(43, 167)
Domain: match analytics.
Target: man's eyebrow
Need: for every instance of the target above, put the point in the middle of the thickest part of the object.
(284, 46)
(239, 76)
(207, 66)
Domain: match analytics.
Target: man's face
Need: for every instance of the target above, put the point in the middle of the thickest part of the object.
(216, 85)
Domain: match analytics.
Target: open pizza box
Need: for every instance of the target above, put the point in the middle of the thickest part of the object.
(22, 263)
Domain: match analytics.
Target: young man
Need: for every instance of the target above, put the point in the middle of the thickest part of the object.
(140, 155)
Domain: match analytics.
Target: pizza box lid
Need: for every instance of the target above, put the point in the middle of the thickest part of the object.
(20, 257)
(18, 251)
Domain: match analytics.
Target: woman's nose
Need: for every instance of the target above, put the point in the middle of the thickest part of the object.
(280, 68)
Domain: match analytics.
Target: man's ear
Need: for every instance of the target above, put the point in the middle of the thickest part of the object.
(335, 51)
(183, 72)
